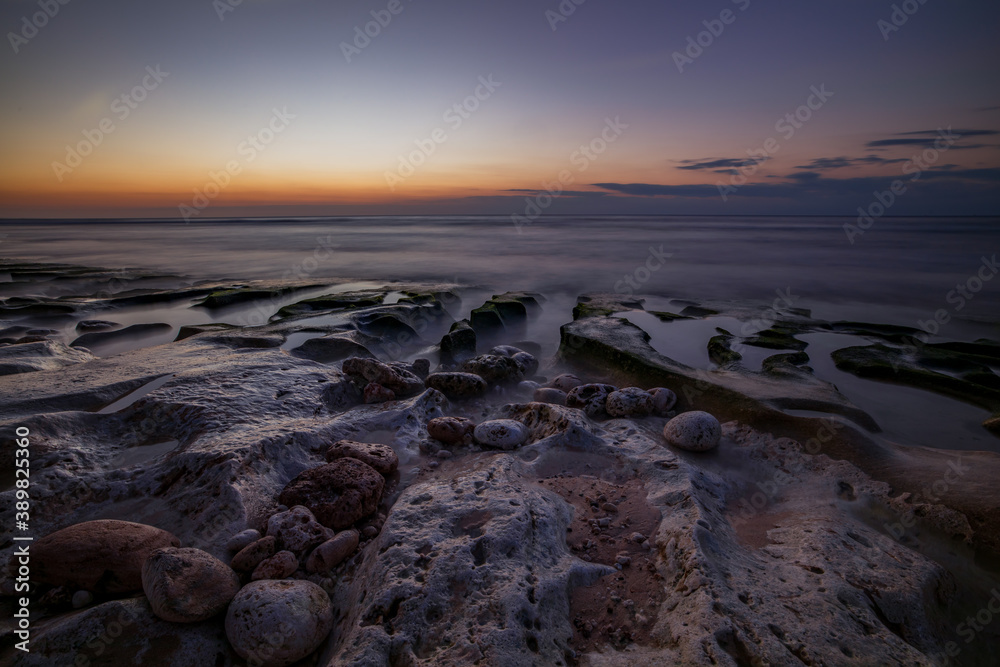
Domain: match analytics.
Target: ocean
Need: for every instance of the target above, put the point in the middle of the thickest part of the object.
(931, 273)
(900, 271)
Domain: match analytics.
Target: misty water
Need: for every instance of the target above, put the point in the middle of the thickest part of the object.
(900, 271)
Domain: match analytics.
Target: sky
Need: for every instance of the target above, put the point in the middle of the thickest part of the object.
(214, 108)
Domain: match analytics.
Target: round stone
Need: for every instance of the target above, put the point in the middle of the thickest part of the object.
(694, 431)
(663, 400)
(250, 556)
(527, 386)
(278, 623)
(81, 599)
(450, 430)
(629, 402)
(333, 552)
(526, 363)
(240, 541)
(501, 434)
(565, 382)
(549, 395)
(187, 585)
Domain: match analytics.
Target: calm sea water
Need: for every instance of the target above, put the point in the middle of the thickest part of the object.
(899, 271)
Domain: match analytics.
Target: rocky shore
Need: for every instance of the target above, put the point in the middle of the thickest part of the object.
(361, 479)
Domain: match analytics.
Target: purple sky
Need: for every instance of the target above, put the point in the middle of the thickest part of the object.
(275, 107)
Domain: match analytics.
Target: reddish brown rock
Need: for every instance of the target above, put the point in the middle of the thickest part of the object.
(280, 565)
(297, 530)
(103, 556)
(254, 554)
(187, 585)
(451, 430)
(381, 457)
(338, 493)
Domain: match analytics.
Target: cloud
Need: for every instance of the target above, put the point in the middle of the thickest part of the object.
(823, 163)
(700, 191)
(811, 186)
(884, 143)
(564, 193)
(960, 133)
(988, 174)
(721, 165)
(928, 137)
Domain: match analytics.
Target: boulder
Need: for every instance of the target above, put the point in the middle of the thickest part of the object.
(591, 398)
(451, 430)
(501, 434)
(458, 344)
(333, 552)
(280, 565)
(527, 386)
(296, 530)
(549, 395)
(240, 540)
(338, 493)
(629, 402)
(254, 554)
(526, 363)
(187, 585)
(399, 380)
(693, 431)
(421, 368)
(493, 368)
(664, 400)
(278, 623)
(83, 599)
(457, 385)
(103, 556)
(566, 382)
(504, 350)
(381, 457)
